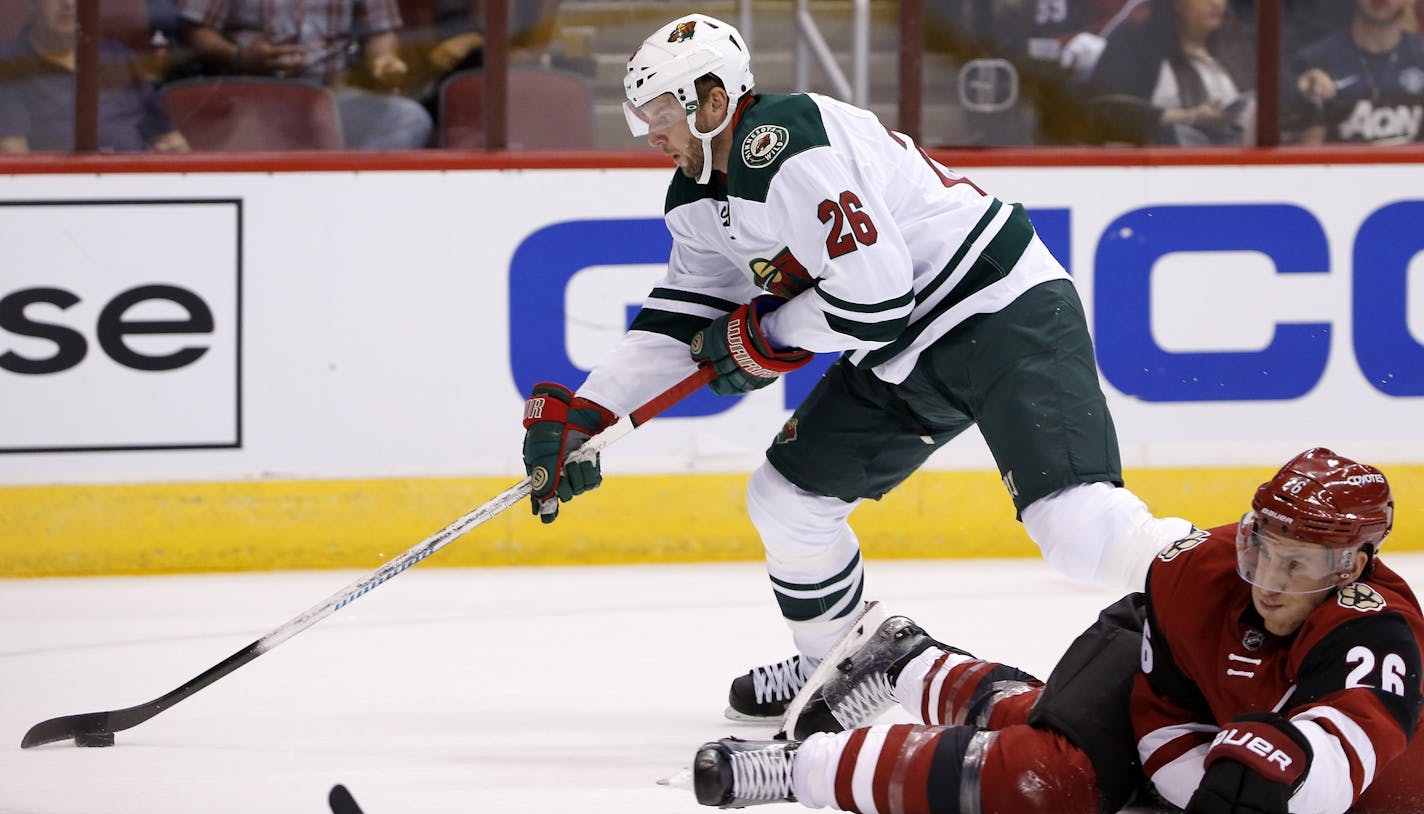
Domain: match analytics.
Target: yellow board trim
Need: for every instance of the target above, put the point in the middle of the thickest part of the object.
(271, 525)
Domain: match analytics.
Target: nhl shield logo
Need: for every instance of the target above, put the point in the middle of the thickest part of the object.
(1187, 543)
(1253, 640)
(763, 144)
(683, 31)
(1360, 597)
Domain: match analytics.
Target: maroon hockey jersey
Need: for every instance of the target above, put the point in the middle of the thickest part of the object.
(1349, 679)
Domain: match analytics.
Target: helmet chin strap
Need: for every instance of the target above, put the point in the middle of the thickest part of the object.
(706, 139)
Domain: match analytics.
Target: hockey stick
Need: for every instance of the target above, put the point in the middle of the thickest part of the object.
(341, 801)
(872, 613)
(98, 728)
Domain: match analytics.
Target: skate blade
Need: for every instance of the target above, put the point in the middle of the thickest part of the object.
(733, 715)
(680, 780)
(865, 625)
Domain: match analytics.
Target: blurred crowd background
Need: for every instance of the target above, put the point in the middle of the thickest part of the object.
(179, 75)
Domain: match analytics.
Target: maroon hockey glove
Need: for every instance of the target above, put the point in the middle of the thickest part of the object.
(556, 422)
(1253, 767)
(736, 347)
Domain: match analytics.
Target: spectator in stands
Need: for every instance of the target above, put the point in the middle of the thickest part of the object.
(460, 28)
(457, 38)
(1364, 84)
(1071, 36)
(1306, 21)
(37, 91)
(1051, 48)
(1182, 76)
(317, 42)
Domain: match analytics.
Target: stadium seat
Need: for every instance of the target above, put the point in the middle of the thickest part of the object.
(253, 114)
(416, 13)
(548, 110)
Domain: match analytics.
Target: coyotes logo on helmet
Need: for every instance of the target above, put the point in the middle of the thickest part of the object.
(683, 31)
(782, 275)
(1361, 597)
(1187, 543)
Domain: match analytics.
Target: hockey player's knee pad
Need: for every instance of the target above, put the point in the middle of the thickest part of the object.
(799, 530)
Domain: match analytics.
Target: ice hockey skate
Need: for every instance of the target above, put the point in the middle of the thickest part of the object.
(807, 711)
(764, 694)
(859, 683)
(735, 773)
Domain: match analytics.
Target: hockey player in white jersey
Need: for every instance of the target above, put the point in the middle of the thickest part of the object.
(803, 225)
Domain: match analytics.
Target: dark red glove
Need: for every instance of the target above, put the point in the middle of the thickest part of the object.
(1253, 767)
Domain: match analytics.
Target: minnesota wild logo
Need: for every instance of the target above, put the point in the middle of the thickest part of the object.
(782, 275)
(763, 144)
(788, 431)
(683, 31)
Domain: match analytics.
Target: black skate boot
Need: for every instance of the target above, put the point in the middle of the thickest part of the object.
(861, 687)
(763, 693)
(734, 773)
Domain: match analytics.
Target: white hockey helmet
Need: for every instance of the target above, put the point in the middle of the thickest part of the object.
(673, 58)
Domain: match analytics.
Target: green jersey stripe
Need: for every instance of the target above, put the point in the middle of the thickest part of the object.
(804, 610)
(818, 586)
(868, 331)
(678, 295)
(994, 264)
(866, 307)
(668, 323)
(948, 270)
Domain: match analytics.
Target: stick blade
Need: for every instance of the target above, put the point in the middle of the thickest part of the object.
(66, 727)
(341, 801)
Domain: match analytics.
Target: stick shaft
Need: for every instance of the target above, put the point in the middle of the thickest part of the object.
(62, 728)
(494, 506)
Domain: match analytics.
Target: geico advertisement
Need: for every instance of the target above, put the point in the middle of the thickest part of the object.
(120, 325)
(373, 324)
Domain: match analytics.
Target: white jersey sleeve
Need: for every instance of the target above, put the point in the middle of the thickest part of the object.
(700, 285)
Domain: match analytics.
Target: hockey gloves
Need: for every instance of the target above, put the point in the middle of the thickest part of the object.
(736, 347)
(556, 422)
(1254, 765)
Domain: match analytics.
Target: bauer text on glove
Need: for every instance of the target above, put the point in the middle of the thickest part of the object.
(743, 357)
(1254, 765)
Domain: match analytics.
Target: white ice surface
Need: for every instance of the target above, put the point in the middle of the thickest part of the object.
(537, 691)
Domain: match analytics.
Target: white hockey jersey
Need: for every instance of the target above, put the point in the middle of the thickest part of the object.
(878, 249)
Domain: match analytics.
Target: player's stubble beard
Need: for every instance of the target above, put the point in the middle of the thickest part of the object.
(692, 168)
